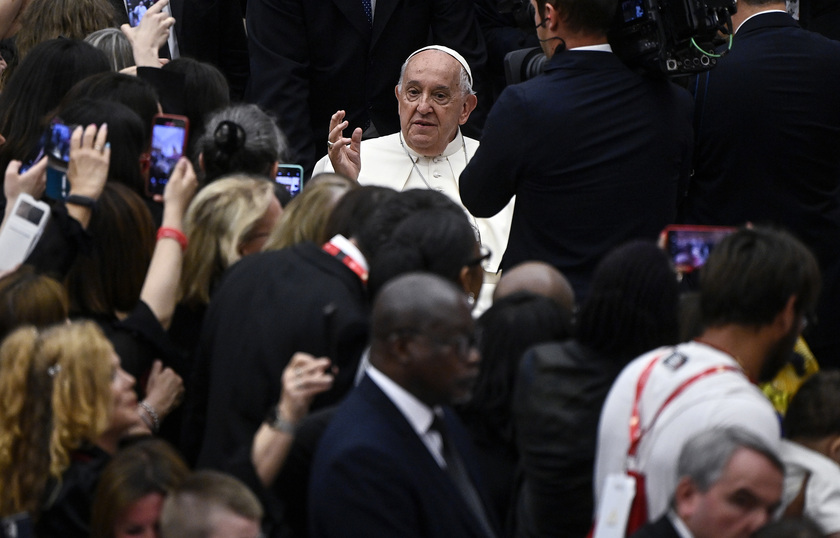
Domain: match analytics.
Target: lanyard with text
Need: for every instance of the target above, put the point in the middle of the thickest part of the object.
(333, 250)
(636, 431)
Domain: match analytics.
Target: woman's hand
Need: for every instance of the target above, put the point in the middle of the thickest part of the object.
(149, 36)
(32, 182)
(90, 157)
(164, 389)
(304, 378)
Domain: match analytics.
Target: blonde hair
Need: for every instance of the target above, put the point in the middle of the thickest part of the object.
(305, 217)
(55, 390)
(217, 222)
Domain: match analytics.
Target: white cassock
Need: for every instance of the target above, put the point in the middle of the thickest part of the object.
(387, 162)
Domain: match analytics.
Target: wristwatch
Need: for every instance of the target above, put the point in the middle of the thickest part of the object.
(276, 422)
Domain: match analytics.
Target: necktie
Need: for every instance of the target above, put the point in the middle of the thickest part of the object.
(368, 11)
(457, 471)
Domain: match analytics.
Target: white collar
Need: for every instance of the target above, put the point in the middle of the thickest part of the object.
(451, 148)
(757, 14)
(603, 47)
(350, 249)
(418, 414)
(679, 525)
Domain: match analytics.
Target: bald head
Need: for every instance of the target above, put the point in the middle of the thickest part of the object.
(539, 278)
(423, 338)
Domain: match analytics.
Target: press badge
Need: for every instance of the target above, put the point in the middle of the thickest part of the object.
(616, 501)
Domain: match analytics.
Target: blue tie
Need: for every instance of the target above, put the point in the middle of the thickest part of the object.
(368, 11)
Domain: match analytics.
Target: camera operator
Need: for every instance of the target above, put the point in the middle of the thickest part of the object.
(595, 154)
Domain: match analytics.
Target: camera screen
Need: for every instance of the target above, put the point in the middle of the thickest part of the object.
(633, 10)
(689, 249)
(290, 177)
(58, 144)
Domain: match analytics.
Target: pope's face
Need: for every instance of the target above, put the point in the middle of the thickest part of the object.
(431, 102)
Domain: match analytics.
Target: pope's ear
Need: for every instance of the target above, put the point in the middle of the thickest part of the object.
(469, 105)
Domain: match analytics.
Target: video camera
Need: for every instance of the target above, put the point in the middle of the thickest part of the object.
(665, 37)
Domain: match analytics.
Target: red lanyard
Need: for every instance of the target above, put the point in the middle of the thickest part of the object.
(636, 431)
(340, 255)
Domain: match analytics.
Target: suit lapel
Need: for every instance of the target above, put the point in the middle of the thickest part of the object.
(384, 10)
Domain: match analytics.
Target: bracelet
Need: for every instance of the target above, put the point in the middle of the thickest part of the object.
(173, 233)
(276, 422)
(84, 201)
(155, 425)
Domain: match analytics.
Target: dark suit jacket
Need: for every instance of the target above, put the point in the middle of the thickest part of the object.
(209, 31)
(373, 476)
(661, 528)
(310, 58)
(595, 155)
(268, 307)
(768, 129)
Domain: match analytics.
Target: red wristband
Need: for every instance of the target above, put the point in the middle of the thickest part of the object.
(172, 233)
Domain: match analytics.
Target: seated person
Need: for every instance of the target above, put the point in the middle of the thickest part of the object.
(435, 97)
(811, 452)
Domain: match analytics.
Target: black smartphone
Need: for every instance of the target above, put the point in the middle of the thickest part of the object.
(291, 177)
(689, 246)
(169, 140)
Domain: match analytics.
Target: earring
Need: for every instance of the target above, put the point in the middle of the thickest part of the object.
(471, 298)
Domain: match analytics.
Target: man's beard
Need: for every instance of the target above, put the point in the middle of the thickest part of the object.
(779, 355)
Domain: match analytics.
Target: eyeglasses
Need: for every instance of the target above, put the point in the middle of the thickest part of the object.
(484, 254)
(462, 344)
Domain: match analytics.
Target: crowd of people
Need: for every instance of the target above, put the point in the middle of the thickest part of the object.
(465, 324)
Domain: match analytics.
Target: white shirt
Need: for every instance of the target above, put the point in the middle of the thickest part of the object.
(822, 495)
(725, 398)
(418, 414)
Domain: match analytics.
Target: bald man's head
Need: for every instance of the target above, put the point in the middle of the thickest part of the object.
(423, 338)
(540, 278)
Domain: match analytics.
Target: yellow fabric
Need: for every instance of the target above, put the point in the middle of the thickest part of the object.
(788, 380)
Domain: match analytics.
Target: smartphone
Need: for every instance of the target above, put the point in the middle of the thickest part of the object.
(689, 246)
(291, 177)
(169, 140)
(136, 9)
(57, 144)
(34, 156)
(22, 231)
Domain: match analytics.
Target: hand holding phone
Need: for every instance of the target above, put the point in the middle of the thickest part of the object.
(169, 141)
(90, 158)
(689, 246)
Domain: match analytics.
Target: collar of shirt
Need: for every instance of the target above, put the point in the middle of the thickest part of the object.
(350, 249)
(604, 47)
(679, 525)
(756, 15)
(451, 149)
(418, 414)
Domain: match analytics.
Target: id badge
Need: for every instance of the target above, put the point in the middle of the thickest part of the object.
(614, 510)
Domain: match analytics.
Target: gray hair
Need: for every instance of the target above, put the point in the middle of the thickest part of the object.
(115, 45)
(259, 142)
(705, 455)
(463, 83)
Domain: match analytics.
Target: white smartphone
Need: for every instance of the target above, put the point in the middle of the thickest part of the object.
(21, 233)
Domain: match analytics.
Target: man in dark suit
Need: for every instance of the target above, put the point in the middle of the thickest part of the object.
(310, 58)
(767, 125)
(208, 31)
(594, 153)
(394, 460)
(730, 485)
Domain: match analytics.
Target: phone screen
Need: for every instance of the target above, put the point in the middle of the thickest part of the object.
(689, 248)
(136, 9)
(57, 146)
(169, 138)
(291, 177)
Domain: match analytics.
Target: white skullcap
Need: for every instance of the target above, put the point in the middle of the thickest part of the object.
(448, 51)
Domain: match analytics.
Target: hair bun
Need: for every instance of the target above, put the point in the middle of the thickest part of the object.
(229, 136)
